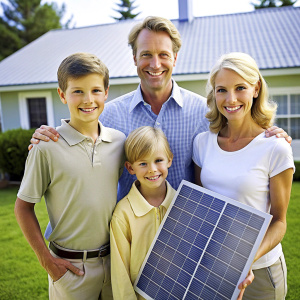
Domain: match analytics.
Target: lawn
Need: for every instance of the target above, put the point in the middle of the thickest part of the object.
(21, 276)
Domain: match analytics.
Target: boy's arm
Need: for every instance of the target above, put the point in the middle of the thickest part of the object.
(120, 262)
(30, 227)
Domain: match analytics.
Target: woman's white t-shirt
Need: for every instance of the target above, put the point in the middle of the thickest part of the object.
(244, 175)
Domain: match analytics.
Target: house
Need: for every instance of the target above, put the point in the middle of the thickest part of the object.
(28, 80)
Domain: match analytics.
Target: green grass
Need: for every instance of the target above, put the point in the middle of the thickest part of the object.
(21, 276)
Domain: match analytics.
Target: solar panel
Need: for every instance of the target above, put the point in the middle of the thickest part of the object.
(203, 249)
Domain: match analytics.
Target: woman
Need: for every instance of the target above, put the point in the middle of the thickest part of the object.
(236, 160)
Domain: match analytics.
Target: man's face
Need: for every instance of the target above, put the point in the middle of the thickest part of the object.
(154, 60)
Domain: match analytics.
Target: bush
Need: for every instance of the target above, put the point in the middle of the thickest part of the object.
(13, 151)
(297, 172)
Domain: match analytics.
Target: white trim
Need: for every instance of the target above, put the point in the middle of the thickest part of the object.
(23, 108)
(284, 90)
(1, 115)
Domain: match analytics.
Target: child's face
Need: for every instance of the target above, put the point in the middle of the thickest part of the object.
(85, 97)
(152, 170)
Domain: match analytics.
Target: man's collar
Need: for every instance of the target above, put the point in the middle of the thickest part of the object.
(73, 137)
(140, 205)
(138, 96)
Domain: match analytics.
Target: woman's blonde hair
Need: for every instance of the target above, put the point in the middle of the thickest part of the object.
(144, 141)
(262, 111)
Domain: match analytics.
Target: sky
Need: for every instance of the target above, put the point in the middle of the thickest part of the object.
(94, 12)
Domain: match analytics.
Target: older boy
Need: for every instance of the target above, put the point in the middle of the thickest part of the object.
(78, 177)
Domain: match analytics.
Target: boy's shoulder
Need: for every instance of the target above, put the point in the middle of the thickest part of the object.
(113, 134)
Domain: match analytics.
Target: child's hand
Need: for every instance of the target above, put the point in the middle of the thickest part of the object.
(58, 268)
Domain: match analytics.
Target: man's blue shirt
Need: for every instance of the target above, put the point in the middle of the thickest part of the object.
(181, 118)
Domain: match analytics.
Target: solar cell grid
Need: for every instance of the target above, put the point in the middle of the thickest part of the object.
(203, 249)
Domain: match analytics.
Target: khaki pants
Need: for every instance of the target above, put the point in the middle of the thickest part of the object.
(269, 283)
(93, 285)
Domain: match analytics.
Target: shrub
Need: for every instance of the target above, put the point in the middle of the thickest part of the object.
(297, 172)
(13, 151)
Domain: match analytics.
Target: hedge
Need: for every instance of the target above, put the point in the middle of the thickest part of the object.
(13, 151)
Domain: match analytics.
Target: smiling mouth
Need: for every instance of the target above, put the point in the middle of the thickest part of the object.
(87, 109)
(230, 109)
(153, 178)
(155, 73)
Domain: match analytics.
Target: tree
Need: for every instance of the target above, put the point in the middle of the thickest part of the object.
(273, 3)
(125, 9)
(25, 20)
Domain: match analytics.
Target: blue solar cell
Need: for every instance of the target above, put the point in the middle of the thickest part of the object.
(189, 266)
(178, 291)
(201, 211)
(220, 268)
(185, 191)
(148, 270)
(212, 217)
(227, 288)
(231, 210)
(231, 241)
(244, 248)
(179, 229)
(202, 274)
(173, 270)
(218, 205)
(159, 247)
(175, 213)
(168, 253)
(195, 253)
(206, 229)
(162, 294)
(184, 278)
(168, 283)
(190, 207)
(153, 259)
(143, 282)
(250, 235)
(181, 201)
(196, 223)
(213, 281)
(196, 196)
(238, 261)
(170, 224)
(243, 216)
(190, 235)
(184, 247)
(174, 241)
(164, 236)
(196, 286)
(207, 293)
(225, 223)
(185, 218)
(157, 277)
(207, 261)
(225, 254)
(213, 248)
(232, 275)
(178, 259)
(163, 265)
(219, 235)
(191, 296)
(256, 222)
(237, 228)
(200, 241)
(206, 200)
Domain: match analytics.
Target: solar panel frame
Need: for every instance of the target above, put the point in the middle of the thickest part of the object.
(204, 237)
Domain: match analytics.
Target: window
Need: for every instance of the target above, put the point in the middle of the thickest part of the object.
(36, 109)
(288, 112)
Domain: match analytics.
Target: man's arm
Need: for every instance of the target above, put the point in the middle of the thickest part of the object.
(30, 227)
(43, 133)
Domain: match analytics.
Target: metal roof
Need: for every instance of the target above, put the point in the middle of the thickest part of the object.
(270, 35)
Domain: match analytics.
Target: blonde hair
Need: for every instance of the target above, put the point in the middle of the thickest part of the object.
(81, 64)
(262, 111)
(156, 24)
(144, 141)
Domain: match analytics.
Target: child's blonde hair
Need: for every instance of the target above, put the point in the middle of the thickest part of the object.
(144, 141)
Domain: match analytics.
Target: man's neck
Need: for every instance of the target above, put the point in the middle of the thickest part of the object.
(156, 98)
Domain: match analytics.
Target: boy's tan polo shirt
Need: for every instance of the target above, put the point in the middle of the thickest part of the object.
(79, 181)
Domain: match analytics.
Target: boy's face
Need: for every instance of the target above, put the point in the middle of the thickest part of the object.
(152, 170)
(85, 97)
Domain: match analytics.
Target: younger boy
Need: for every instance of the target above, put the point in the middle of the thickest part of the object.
(78, 177)
(138, 215)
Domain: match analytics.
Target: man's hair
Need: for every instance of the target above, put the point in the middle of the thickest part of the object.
(144, 141)
(156, 24)
(263, 110)
(78, 65)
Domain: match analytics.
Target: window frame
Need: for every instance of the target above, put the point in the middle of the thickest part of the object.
(24, 110)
